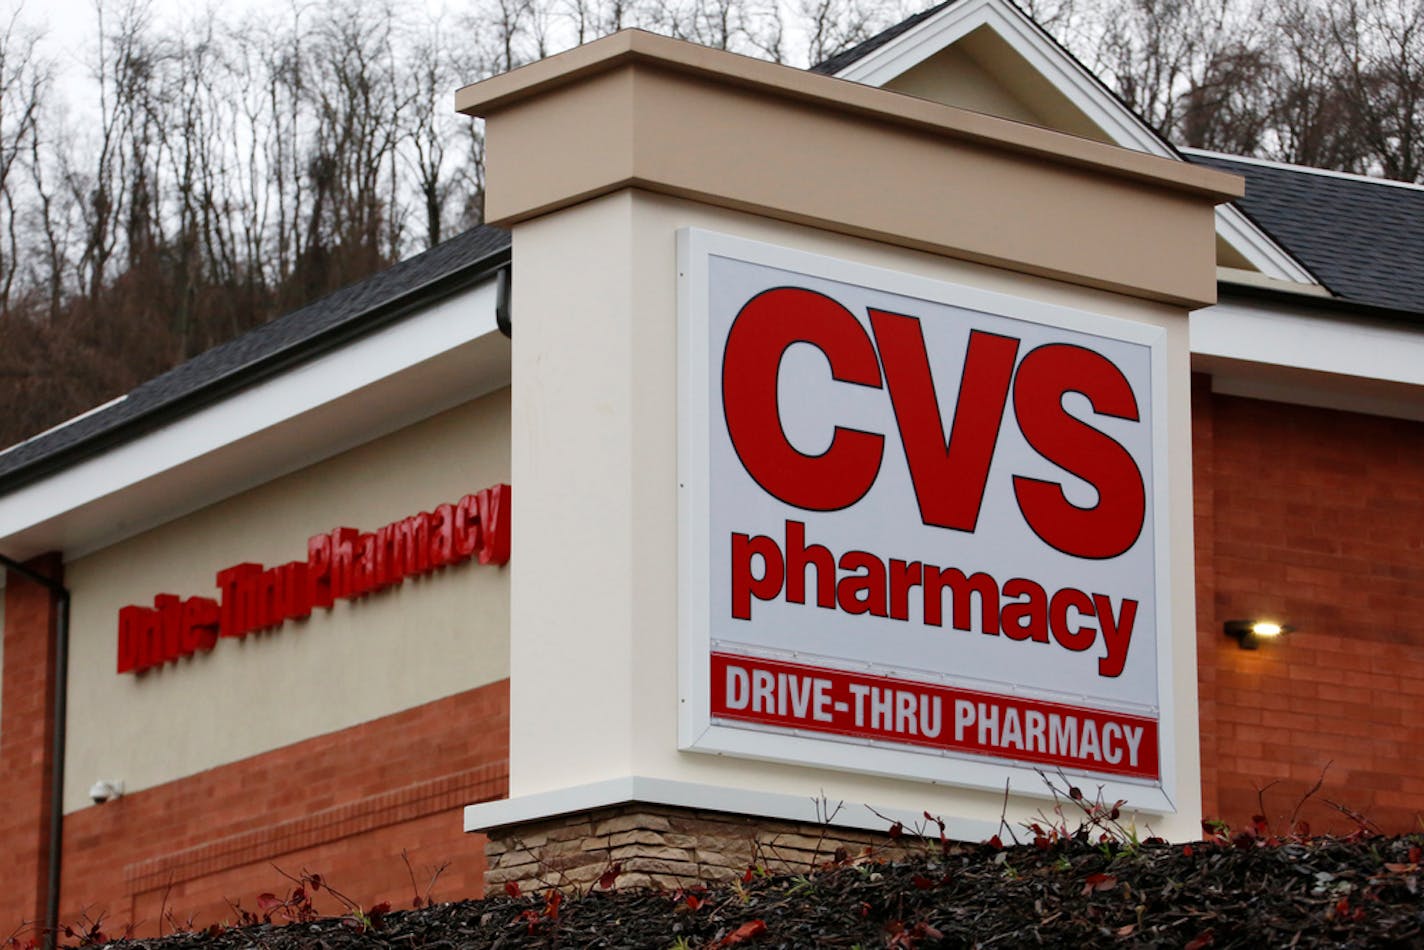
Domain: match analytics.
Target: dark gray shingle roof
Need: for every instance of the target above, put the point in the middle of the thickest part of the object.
(1363, 238)
(841, 60)
(297, 336)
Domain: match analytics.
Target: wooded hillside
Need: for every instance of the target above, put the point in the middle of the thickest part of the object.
(229, 168)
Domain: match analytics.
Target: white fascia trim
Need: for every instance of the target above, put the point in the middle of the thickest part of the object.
(1322, 172)
(1278, 353)
(1232, 277)
(1279, 335)
(1070, 77)
(445, 325)
(1258, 248)
(633, 789)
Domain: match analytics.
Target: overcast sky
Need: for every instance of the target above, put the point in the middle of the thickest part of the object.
(71, 27)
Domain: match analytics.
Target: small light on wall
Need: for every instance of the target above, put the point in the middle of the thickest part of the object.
(1250, 633)
(106, 790)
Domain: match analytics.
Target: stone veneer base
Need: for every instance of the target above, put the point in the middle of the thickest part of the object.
(664, 846)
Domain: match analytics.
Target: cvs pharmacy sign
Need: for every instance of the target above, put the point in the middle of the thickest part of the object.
(919, 519)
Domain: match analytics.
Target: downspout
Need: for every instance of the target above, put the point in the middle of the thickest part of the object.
(503, 314)
(61, 700)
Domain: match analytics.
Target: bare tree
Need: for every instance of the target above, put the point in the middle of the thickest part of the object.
(238, 167)
(1311, 122)
(1381, 43)
(359, 105)
(742, 26)
(1193, 69)
(429, 134)
(24, 82)
(831, 26)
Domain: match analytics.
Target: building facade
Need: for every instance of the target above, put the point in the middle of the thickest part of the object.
(327, 585)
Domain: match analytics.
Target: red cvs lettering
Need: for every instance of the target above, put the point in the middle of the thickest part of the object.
(1112, 525)
(949, 474)
(766, 327)
(949, 471)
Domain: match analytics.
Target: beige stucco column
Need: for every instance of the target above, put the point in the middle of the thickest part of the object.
(597, 158)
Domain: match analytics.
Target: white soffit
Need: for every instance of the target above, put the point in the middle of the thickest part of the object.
(1267, 350)
(437, 358)
(1119, 123)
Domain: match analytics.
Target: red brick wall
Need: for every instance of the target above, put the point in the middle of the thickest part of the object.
(25, 740)
(343, 805)
(1315, 517)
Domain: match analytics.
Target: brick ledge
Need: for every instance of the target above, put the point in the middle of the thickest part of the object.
(479, 784)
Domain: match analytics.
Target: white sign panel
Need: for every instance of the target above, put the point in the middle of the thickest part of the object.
(922, 525)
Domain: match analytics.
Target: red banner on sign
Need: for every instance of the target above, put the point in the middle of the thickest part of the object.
(886, 709)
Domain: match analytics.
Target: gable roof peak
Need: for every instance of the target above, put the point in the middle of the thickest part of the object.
(1026, 60)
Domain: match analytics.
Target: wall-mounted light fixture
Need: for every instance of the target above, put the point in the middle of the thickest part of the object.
(106, 790)
(1250, 633)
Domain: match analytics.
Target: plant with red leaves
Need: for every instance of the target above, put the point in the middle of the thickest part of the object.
(298, 906)
(1204, 939)
(690, 899)
(609, 878)
(897, 935)
(422, 899)
(1098, 882)
(943, 838)
(1077, 818)
(532, 917)
(89, 932)
(747, 932)
(13, 942)
(243, 916)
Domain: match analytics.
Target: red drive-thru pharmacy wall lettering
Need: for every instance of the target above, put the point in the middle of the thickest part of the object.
(341, 565)
(921, 524)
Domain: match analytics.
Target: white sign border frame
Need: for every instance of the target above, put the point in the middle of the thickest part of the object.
(696, 731)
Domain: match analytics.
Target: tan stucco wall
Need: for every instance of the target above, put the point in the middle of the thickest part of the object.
(1018, 80)
(955, 79)
(427, 638)
(633, 110)
(595, 385)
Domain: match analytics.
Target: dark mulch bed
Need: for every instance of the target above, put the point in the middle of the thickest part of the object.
(1244, 892)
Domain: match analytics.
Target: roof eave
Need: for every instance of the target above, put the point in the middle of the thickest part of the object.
(257, 371)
